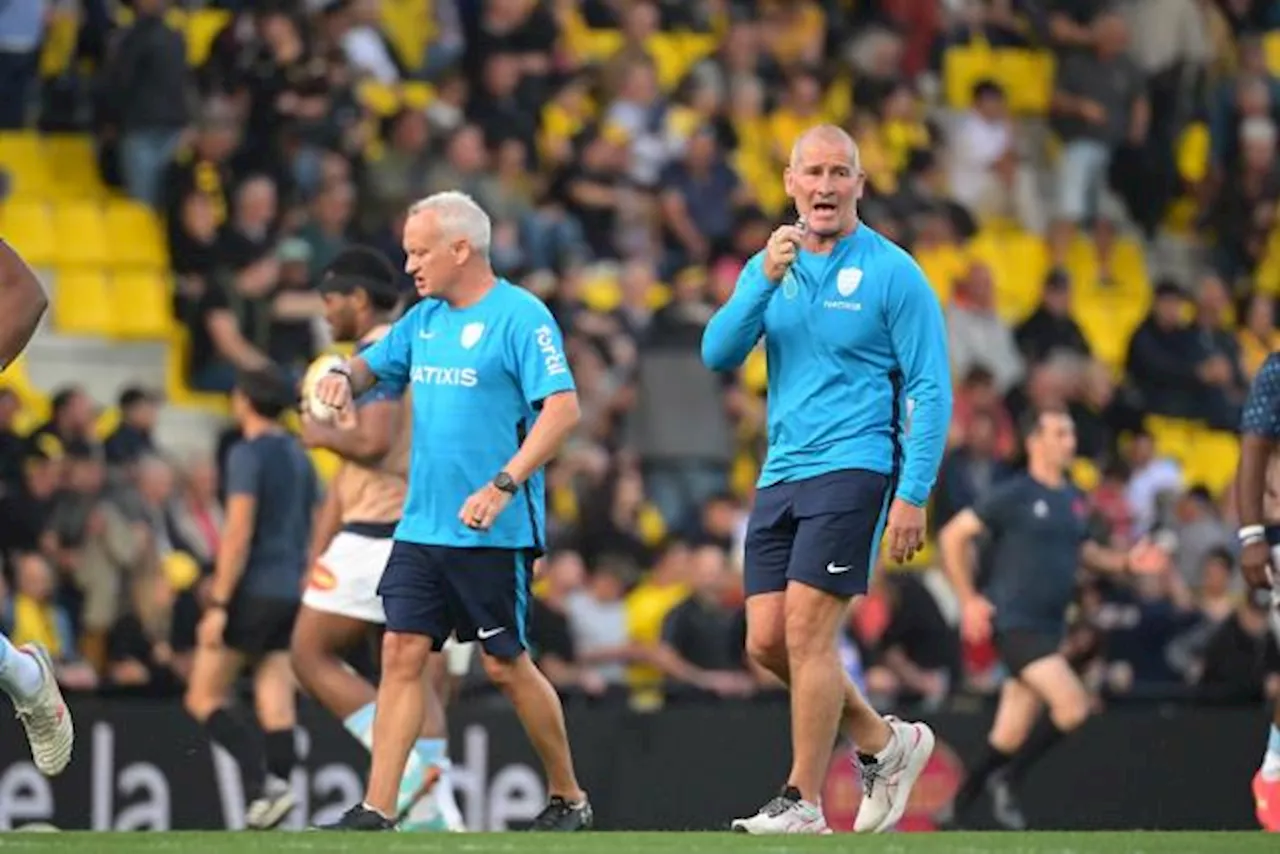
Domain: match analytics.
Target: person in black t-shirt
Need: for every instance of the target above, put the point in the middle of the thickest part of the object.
(1037, 531)
(703, 640)
(550, 636)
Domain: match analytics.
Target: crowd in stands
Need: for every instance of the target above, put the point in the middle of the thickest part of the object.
(1090, 187)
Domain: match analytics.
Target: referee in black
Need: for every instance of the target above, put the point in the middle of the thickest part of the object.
(253, 597)
(1036, 526)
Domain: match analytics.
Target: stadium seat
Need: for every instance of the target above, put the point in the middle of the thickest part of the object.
(82, 234)
(134, 236)
(82, 302)
(417, 96)
(379, 98)
(176, 390)
(23, 163)
(73, 164)
(943, 265)
(1173, 436)
(1271, 48)
(1213, 459)
(1019, 263)
(28, 225)
(35, 403)
(141, 302)
(755, 372)
(201, 28)
(407, 26)
(326, 464)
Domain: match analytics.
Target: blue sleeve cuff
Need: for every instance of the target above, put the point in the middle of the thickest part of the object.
(915, 494)
(754, 282)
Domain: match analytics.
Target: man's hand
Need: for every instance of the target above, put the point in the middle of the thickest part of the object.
(483, 507)
(212, 625)
(1148, 558)
(1093, 112)
(1255, 564)
(975, 619)
(334, 390)
(905, 530)
(781, 251)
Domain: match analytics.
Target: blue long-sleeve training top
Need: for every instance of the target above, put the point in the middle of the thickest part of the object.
(856, 348)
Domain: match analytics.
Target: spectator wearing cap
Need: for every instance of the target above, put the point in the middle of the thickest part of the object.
(139, 409)
(1162, 361)
(1050, 328)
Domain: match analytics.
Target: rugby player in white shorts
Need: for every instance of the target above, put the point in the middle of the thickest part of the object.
(340, 606)
(1259, 507)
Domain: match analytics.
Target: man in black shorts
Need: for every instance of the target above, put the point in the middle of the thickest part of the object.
(1037, 530)
(253, 596)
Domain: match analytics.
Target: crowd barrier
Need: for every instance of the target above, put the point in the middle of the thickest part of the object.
(143, 765)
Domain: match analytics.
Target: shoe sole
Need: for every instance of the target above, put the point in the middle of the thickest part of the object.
(55, 765)
(920, 754)
(1259, 813)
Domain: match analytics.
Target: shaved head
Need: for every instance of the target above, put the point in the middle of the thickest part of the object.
(828, 135)
(825, 181)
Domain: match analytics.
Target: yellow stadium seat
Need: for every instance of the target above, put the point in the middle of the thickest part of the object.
(82, 234)
(35, 403)
(417, 96)
(1192, 152)
(1084, 474)
(134, 235)
(379, 98)
(1271, 47)
(28, 225)
(1174, 437)
(201, 28)
(1213, 461)
(176, 390)
(1019, 263)
(755, 371)
(141, 302)
(82, 302)
(601, 293)
(407, 26)
(73, 164)
(106, 422)
(326, 463)
(62, 32)
(1107, 323)
(22, 159)
(943, 265)
(963, 67)
(1026, 77)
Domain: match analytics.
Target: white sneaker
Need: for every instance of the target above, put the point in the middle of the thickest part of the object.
(886, 785)
(270, 808)
(786, 813)
(46, 718)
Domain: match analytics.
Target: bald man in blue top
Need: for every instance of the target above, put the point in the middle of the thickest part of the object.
(859, 403)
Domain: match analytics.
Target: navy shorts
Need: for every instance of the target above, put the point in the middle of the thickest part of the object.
(823, 531)
(471, 593)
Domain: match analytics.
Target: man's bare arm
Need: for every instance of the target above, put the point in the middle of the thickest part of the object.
(22, 303)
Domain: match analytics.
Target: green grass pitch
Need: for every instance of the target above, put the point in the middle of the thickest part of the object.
(638, 843)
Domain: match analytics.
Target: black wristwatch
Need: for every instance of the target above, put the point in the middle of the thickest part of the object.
(342, 370)
(506, 483)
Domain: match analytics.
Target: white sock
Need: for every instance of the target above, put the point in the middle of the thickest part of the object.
(1271, 759)
(890, 752)
(20, 673)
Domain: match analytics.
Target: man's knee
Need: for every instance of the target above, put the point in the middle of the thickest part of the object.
(768, 648)
(506, 672)
(404, 656)
(1070, 715)
(812, 621)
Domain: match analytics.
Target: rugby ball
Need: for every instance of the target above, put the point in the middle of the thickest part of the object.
(311, 379)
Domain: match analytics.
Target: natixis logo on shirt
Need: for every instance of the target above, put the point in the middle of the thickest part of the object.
(847, 281)
(431, 375)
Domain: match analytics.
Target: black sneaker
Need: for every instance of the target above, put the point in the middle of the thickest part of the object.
(563, 816)
(360, 817)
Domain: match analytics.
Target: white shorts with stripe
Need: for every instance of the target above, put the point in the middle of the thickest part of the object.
(345, 579)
